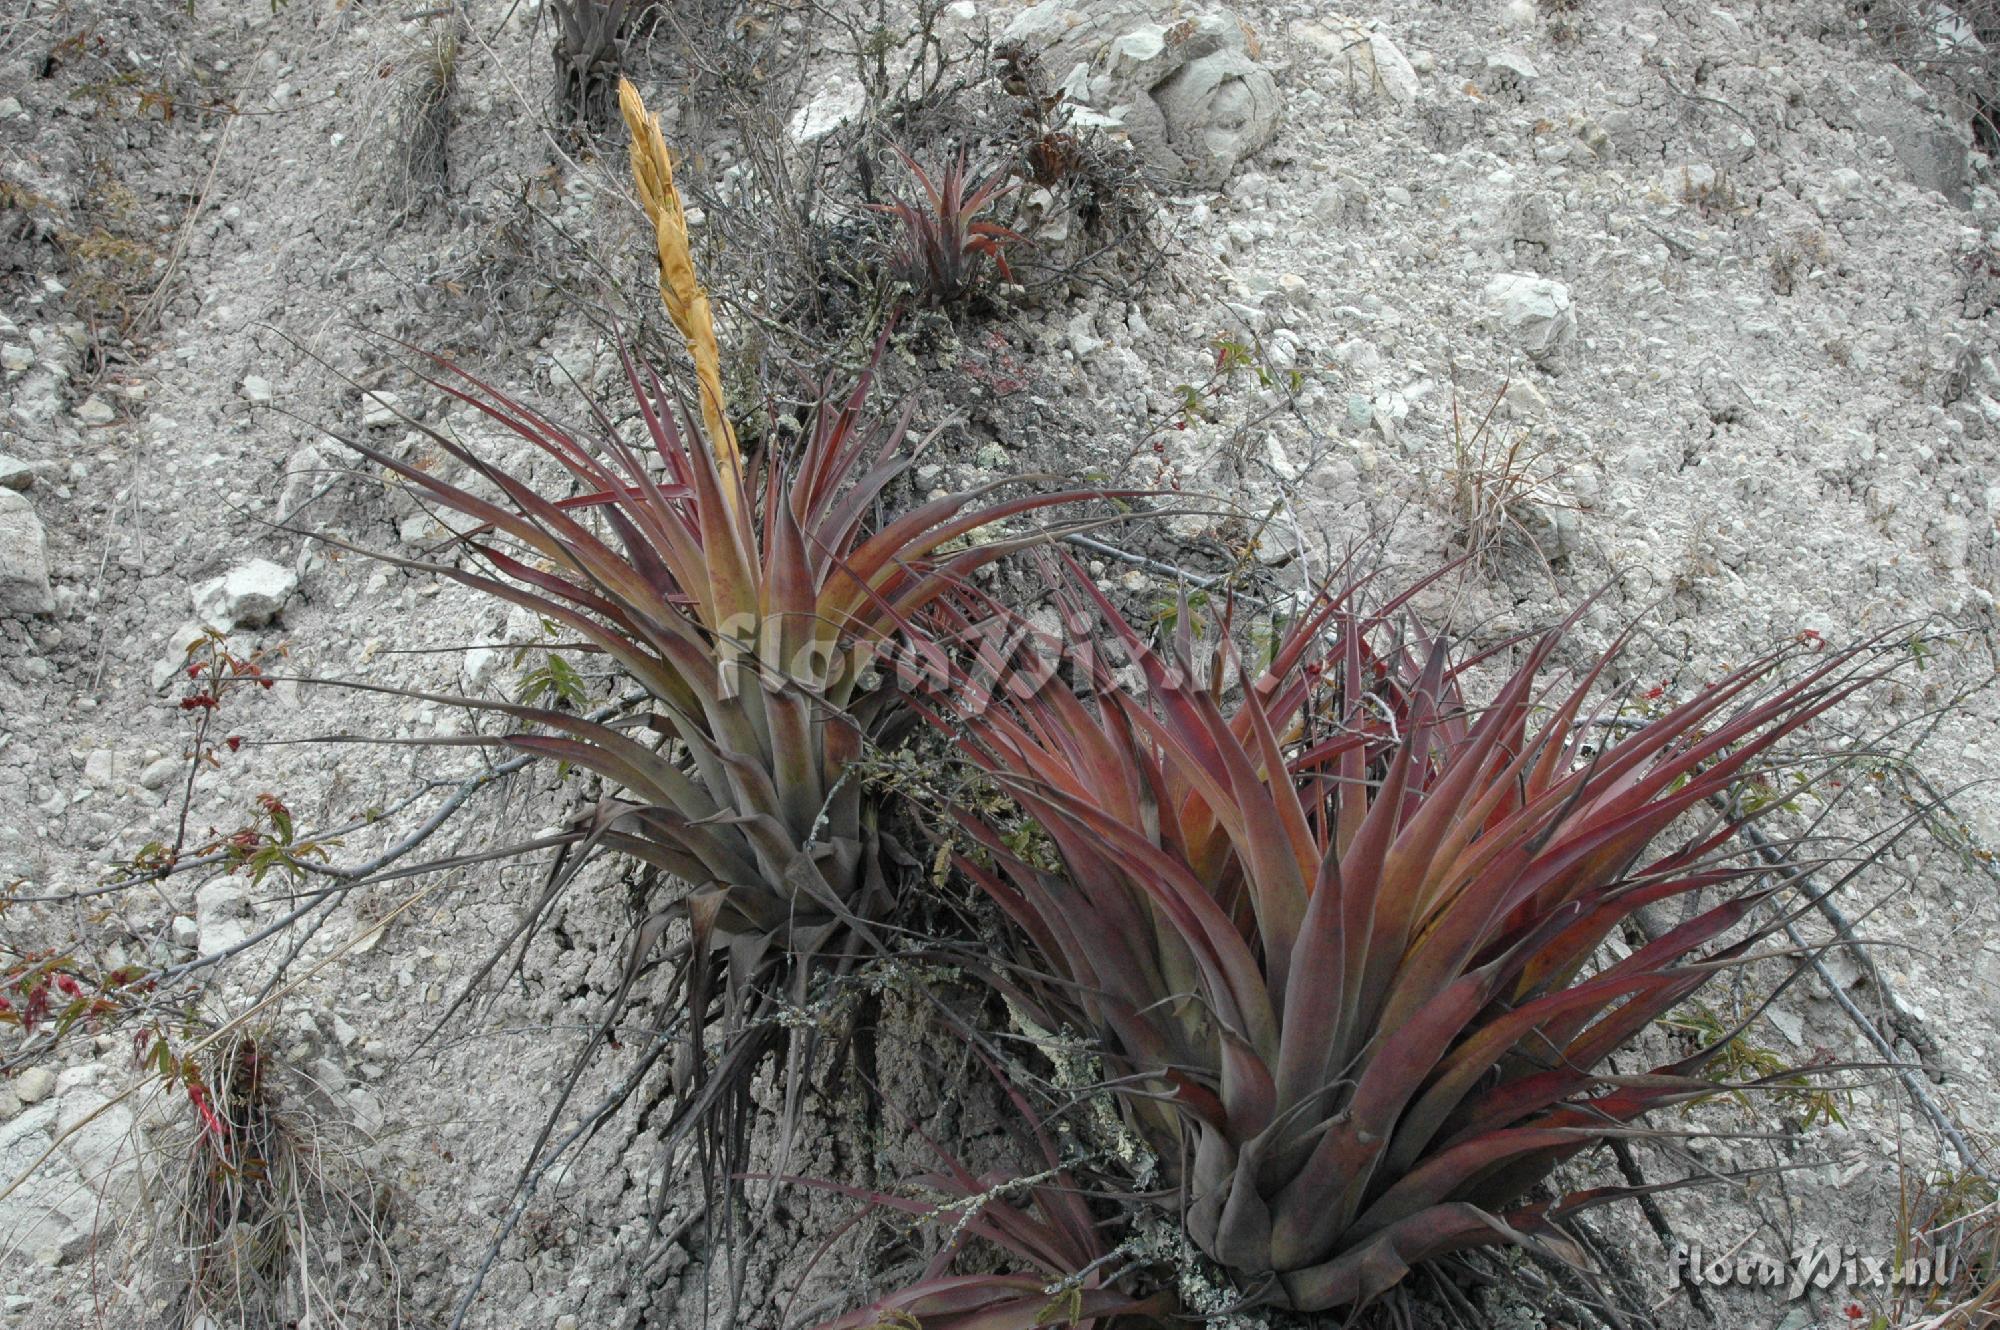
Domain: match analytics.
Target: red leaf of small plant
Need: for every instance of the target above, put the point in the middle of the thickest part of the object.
(211, 1124)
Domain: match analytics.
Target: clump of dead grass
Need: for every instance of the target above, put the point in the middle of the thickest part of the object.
(258, 1213)
(1500, 489)
(424, 109)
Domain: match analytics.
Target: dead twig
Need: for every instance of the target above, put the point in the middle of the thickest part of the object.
(1906, 1023)
(1656, 1219)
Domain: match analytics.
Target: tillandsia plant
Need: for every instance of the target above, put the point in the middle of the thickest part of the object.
(746, 601)
(943, 242)
(590, 36)
(1059, 1268)
(1339, 931)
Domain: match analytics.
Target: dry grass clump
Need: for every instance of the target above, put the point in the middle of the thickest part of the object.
(264, 1221)
(400, 146)
(1500, 490)
(427, 108)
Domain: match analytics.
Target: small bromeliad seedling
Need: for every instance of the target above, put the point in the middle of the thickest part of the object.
(943, 241)
(590, 36)
(1339, 931)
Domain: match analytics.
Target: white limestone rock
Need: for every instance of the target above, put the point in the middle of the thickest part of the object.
(248, 596)
(24, 558)
(1535, 312)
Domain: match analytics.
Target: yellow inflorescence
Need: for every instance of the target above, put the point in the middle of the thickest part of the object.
(687, 304)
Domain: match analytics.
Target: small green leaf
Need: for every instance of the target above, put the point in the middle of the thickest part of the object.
(555, 681)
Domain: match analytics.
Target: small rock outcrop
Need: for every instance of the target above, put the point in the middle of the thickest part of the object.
(1188, 93)
(249, 596)
(24, 558)
(1536, 312)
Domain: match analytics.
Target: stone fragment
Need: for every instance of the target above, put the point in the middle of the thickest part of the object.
(248, 596)
(221, 915)
(1372, 64)
(1219, 109)
(46, 1217)
(1524, 401)
(24, 558)
(305, 472)
(830, 111)
(97, 1136)
(1509, 73)
(1535, 311)
(34, 1085)
(381, 410)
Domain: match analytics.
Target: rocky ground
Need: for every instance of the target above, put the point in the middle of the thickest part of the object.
(1718, 281)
